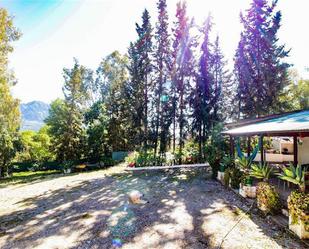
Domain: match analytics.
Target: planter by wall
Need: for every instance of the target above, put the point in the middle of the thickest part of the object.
(67, 171)
(250, 191)
(299, 228)
(247, 191)
(220, 177)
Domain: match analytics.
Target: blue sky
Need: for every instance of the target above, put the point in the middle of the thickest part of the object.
(55, 31)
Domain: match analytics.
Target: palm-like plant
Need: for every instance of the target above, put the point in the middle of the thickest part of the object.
(294, 175)
(244, 163)
(261, 171)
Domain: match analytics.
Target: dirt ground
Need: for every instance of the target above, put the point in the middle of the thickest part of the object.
(183, 209)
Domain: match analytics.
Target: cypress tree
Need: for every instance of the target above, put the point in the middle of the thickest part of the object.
(259, 67)
(162, 64)
(182, 71)
(140, 69)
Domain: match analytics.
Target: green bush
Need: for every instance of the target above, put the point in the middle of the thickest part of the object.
(215, 149)
(267, 198)
(227, 177)
(143, 159)
(236, 177)
(107, 161)
(226, 162)
(298, 204)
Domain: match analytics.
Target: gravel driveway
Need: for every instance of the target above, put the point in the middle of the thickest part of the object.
(183, 209)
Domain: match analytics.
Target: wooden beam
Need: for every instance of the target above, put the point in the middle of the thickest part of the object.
(295, 150)
(262, 149)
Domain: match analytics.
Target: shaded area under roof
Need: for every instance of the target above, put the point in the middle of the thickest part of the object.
(290, 123)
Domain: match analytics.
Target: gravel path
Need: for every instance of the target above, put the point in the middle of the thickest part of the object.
(184, 209)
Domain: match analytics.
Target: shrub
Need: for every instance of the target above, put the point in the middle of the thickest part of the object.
(294, 175)
(215, 149)
(261, 171)
(190, 152)
(267, 198)
(227, 177)
(236, 177)
(107, 161)
(226, 162)
(143, 159)
(298, 204)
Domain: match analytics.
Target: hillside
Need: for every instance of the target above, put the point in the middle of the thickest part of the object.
(33, 115)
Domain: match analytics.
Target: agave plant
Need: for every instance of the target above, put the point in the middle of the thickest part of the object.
(294, 175)
(261, 171)
(244, 163)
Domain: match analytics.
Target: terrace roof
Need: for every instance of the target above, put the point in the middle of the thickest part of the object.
(293, 123)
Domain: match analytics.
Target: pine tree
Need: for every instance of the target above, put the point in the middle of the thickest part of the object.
(182, 71)
(223, 87)
(204, 89)
(112, 76)
(162, 64)
(66, 117)
(9, 107)
(140, 71)
(259, 67)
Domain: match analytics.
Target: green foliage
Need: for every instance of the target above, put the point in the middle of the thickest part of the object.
(9, 107)
(97, 132)
(112, 104)
(268, 198)
(227, 176)
(143, 159)
(190, 152)
(215, 149)
(66, 116)
(35, 147)
(261, 171)
(298, 204)
(236, 177)
(226, 162)
(294, 175)
(244, 163)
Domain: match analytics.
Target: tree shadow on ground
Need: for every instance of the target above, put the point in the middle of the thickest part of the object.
(180, 212)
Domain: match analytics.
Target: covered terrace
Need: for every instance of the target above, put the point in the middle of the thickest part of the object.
(293, 125)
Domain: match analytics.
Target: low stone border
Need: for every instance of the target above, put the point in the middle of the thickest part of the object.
(182, 166)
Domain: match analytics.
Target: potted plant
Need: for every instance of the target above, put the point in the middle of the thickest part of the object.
(235, 177)
(298, 201)
(267, 195)
(67, 167)
(226, 163)
(246, 189)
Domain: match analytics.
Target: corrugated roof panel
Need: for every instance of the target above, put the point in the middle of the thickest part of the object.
(298, 122)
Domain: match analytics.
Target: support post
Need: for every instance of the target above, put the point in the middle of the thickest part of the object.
(249, 146)
(262, 149)
(232, 148)
(295, 148)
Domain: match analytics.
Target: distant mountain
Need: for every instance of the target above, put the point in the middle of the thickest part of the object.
(33, 115)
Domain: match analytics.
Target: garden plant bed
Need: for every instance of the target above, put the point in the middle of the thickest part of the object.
(183, 209)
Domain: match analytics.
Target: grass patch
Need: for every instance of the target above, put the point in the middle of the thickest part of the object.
(28, 176)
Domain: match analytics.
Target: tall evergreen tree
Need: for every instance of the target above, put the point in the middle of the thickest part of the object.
(182, 71)
(140, 71)
(112, 78)
(162, 64)
(66, 117)
(202, 98)
(9, 107)
(259, 67)
(223, 86)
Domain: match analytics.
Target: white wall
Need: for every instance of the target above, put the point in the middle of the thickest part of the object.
(303, 151)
